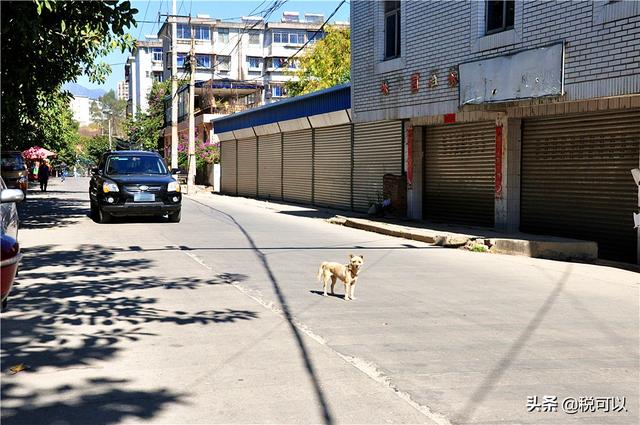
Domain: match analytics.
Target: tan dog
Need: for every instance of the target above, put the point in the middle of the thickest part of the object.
(348, 273)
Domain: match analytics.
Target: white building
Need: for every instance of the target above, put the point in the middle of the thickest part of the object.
(122, 92)
(144, 66)
(251, 51)
(80, 105)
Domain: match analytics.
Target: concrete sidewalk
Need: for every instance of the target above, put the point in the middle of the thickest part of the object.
(449, 236)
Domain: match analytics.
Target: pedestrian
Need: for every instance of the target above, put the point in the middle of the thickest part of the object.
(43, 175)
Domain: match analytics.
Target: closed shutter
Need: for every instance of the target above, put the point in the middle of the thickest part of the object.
(332, 167)
(270, 166)
(576, 181)
(228, 167)
(377, 150)
(247, 167)
(297, 166)
(459, 175)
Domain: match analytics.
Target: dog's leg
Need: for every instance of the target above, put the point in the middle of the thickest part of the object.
(353, 288)
(347, 289)
(334, 279)
(325, 283)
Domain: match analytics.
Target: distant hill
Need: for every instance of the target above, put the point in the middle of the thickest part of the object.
(78, 90)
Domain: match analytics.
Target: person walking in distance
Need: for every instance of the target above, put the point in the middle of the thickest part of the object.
(43, 175)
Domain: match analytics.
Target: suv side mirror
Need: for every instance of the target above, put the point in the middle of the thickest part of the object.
(175, 171)
(11, 195)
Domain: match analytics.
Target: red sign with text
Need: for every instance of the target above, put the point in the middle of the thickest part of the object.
(410, 156)
(498, 175)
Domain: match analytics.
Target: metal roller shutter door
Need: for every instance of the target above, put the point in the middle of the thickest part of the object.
(576, 181)
(228, 167)
(247, 167)
(377, 150)
(270, 166)
(459, 174)
(296, 157)
(332, 167)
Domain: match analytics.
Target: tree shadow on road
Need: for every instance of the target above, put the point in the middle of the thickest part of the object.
(96, 401)
(78, 307)
(51, 211)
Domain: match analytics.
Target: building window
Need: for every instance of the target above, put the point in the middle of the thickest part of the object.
(203, 33)
(223, 35)
(183, 32)
(223, 63)
(284, 37)
(255, 63)
(157, 54)
(500, 15)
(254, 37)
(203, 61)
(278, 91)
(277, 63)
(391, 29)
(313, 37)
(180, 59)
(157, 76)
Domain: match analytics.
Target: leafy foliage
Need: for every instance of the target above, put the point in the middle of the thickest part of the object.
(109, 107)
(45, 44)
(325, 65)
(145, 128)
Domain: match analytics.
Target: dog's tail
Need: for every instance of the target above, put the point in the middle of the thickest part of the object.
(321, 271)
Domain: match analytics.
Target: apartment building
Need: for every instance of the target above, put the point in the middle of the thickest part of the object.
(143, 67)
(519, 115)
(122, 90)
(251, 51)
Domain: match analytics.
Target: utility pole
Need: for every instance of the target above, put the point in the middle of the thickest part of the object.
(174, 89)
(191, 176)
(110, 146)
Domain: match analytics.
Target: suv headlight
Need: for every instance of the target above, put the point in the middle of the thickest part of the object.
(109, 187)
(173, 186)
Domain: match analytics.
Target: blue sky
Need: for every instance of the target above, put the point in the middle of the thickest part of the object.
(149, 10)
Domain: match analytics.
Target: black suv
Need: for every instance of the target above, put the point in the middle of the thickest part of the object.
(133, 183)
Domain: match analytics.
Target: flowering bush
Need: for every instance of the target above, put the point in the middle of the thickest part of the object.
(206, 151)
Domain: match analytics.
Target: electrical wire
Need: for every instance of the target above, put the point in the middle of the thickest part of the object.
(145, 17)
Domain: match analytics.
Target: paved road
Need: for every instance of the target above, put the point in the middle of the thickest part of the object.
(218, 319)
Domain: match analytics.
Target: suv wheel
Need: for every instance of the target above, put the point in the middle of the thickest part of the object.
(175, 217)
(103, 217)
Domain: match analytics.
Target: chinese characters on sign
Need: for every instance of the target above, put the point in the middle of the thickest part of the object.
(573, 405)
(415, 82)
(384, 87)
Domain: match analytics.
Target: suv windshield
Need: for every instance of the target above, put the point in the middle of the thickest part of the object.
(12, 162)
(130, 164)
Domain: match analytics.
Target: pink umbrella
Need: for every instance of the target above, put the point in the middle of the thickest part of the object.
(36, 152)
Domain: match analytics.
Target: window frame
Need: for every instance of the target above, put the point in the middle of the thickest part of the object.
(504, 26)
(198, 29)
(180, 31)
(398, 30)
(255, 59)
(154, 52)
(184, 58)
(220, 59)
(203, 56)
(252, 35)
(223, 35)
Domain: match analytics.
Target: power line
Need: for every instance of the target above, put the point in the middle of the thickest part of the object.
(145, 17)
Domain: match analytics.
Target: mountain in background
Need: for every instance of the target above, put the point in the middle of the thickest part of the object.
(78, 90)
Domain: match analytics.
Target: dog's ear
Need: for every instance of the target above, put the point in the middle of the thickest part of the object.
(362, 256)
(351, 256)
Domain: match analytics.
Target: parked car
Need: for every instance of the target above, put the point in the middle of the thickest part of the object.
(14, 171)
(129, 183)
(9, 248)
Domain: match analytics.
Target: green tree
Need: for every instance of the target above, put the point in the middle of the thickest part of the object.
(109, 108)
(326, 64)
(45, 44)
(145, 128)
